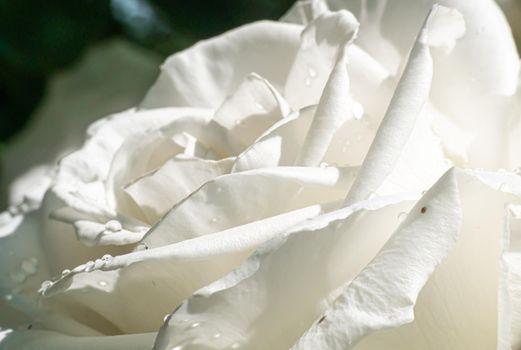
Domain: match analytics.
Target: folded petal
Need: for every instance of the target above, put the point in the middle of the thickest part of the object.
(334, 108)
(159, 191)
(396, 130)
(238, 198)
(132, 292)
(279, 145)
(472, 83)
(458, 307)
(383, 295)
(81, 176)
(254, 107)
(272, 307)
(321, 42)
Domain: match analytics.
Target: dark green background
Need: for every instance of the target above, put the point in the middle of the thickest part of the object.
(39, 38)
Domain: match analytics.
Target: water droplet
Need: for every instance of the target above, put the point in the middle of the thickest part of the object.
(66, 272)
(89, 266)
(8, 297)
(217, 335)
(195, 324)
(307, 81)
(142, 246)
(79, 268)
(214, 220)
(323, 165)
(235, 346)
(45, 285)
(178, 347)
(107, 258)
(238, 122)
(18, 276)
(312, 72)
(260, 107)
(166, 317)
(402, 216)
(113, 226)
(29, 266)
(358, 111)
(102, 283)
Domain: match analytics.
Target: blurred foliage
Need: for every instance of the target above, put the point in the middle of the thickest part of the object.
(39, 38)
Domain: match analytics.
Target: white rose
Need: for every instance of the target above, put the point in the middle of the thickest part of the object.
(307, 186)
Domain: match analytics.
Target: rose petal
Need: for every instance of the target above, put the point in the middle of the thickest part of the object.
(275, 305)
(396, 131)
(158, 192)
(239, 198)
(23, 265)
(334, 109)
(62, 245)
(372, 37)
(458, 307)
(203, 75)
(144, 151)
(133, 292)
(509, 315)
(383, 295)
(472, 83)
(81, 175)
(321, 41)
(301, 186)
(279, 145)
(252, 109)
